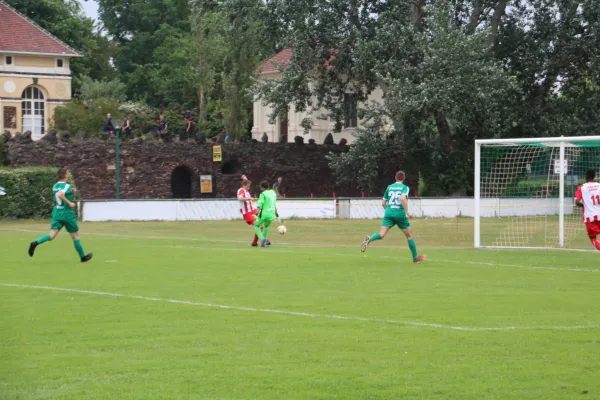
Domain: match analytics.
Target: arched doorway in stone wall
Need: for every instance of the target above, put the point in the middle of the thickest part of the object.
(182, 179)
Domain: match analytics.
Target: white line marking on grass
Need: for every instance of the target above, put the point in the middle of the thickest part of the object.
(318, 253)
(302, 314)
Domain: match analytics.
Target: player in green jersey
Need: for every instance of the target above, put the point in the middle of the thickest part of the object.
(267, 212)
(63, 214)
(395, 203)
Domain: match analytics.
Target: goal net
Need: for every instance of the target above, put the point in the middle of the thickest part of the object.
(524, 191)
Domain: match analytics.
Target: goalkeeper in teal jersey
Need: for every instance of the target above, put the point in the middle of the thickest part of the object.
(63, 215)
(395, 203)
(267, 212)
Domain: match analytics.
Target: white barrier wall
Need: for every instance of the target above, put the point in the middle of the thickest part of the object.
(463, 207)
(201, 210)
(196, 210)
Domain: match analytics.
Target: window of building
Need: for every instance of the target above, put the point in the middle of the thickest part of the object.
(33, 108)
(350, 109)
(8, 60)
(60, 62)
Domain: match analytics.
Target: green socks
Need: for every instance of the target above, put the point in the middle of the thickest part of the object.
(413, 248)
(79, 247)
(375, 236)
(43, 239)
(266, 232)
(258, 231)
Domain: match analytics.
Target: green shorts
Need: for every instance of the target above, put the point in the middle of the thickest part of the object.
(69, 223)
(266, 220)
(402, 222)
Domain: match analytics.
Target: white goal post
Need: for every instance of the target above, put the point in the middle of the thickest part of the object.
(524, 189)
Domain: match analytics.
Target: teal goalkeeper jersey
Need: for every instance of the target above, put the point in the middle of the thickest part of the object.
(267, 202)
(393, 195)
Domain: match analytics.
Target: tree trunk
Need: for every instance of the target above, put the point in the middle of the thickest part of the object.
(202, 113)
(498, 14)
(417, 11)
(444, 131)
(475, 16)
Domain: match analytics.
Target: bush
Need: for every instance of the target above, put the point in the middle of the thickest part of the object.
(28, 192)
(328, 139)
(175, 120)
(343, 142)
(92, 90)
(76, 117)
(299, 140)
(264, 138)
(140, 124)
(312, 141)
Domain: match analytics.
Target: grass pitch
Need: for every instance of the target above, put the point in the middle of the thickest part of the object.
(190, 311)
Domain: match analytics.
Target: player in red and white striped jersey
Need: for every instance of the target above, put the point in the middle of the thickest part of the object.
(587, 196)
(247, 209)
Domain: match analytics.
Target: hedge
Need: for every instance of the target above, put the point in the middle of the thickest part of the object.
(28, 192)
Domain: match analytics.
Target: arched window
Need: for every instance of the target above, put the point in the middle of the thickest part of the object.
(33, 110)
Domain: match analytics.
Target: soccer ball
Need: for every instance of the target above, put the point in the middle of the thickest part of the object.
(281, 229)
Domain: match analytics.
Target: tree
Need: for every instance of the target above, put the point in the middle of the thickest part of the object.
(230, 36)
(442, 85)
(65, 20)
(140, 28)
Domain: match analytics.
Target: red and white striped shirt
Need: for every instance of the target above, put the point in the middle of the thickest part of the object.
(589, 195)
(245, 206)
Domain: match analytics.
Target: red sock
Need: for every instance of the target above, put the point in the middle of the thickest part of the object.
(596, 243)
(255, 241)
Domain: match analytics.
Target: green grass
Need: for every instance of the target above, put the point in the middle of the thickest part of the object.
(510, 324)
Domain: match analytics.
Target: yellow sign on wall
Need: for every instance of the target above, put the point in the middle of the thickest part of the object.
(206, 184)
(217, 154)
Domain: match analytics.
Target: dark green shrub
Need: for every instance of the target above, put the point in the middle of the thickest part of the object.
(298, 140)
(175, 120)
(328, 139)
(78, 118)
(28, 192)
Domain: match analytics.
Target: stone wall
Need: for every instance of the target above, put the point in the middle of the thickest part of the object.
(147, 166)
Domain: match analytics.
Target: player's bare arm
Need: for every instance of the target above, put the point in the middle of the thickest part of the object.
(404, 201)
(384, 204)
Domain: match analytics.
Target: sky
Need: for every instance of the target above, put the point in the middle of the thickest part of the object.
(90, 8)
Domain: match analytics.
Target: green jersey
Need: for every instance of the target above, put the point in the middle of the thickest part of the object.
(267, 202)
(393, 195)
(61, 209)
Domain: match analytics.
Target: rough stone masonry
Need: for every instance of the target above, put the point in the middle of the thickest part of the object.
(148, 167)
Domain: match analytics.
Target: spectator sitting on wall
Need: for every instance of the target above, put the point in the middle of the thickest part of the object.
(190, 128)
(126, 127)
(227, 139)
(163, 124)
(278, 188)
(109, 128)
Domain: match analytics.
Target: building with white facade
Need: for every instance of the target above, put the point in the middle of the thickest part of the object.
(291, 127)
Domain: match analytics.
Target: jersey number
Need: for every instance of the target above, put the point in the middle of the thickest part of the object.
(395, 198)
(596, 199)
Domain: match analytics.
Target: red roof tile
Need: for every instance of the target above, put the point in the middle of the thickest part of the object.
(18, 34)
(282, 58)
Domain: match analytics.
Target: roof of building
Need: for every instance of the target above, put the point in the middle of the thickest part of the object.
(283, 57)
(20, 35)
